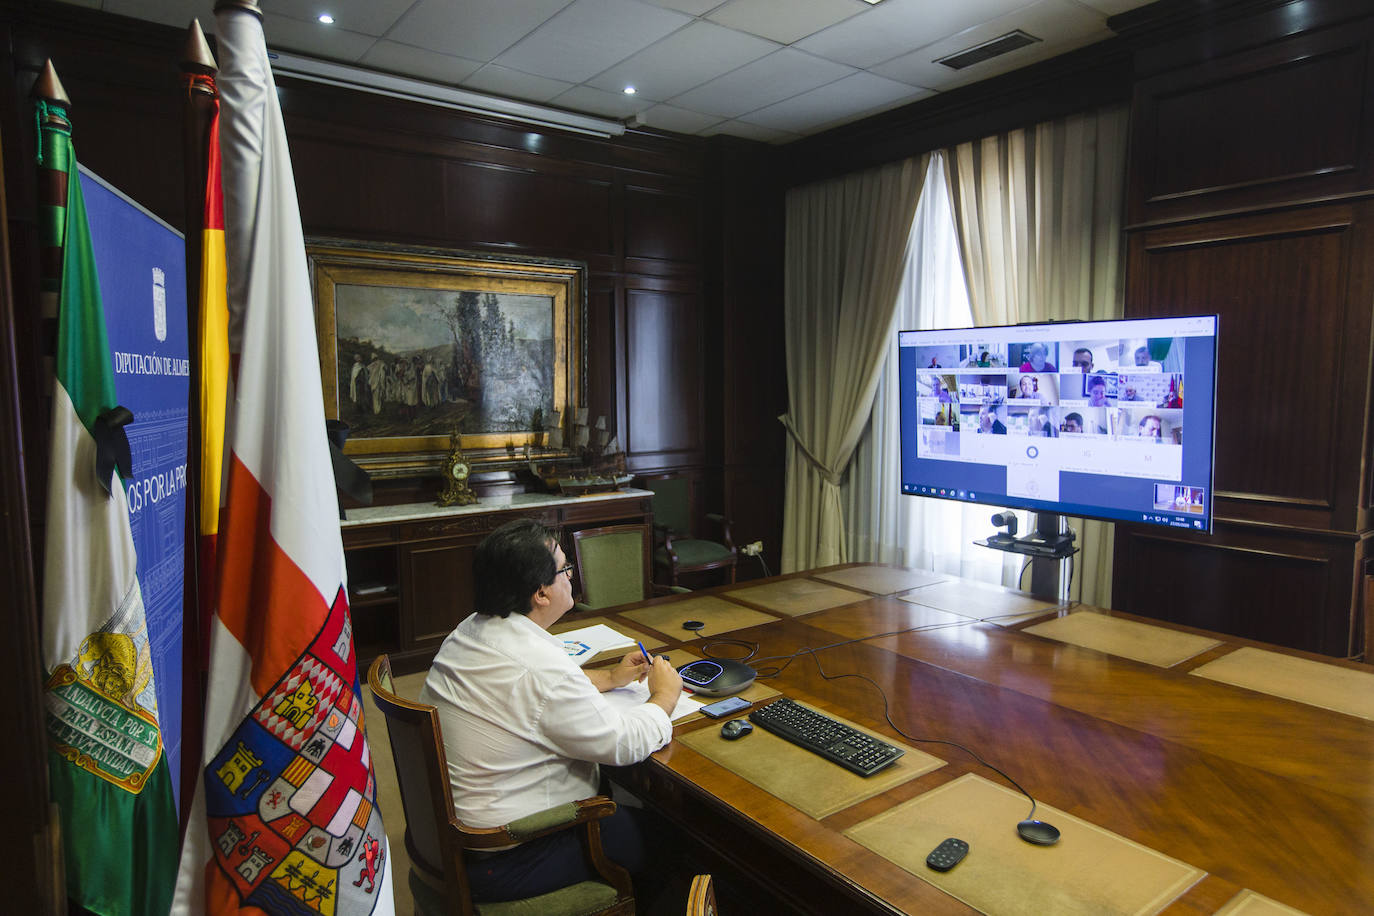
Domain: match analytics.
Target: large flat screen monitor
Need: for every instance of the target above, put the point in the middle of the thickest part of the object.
(1104, 419)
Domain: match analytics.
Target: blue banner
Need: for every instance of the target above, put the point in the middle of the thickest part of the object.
(142, 265)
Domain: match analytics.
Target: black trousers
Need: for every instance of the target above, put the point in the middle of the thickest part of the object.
(636, 840)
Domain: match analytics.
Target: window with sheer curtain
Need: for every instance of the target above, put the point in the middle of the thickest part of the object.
(1019, 227)
(883, 525)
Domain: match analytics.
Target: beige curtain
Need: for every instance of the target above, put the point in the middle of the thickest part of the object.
(845, 255)
(1038, 213)
(882, 525)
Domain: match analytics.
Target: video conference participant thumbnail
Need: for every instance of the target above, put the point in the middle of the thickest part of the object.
(1090, 421)
(1042, 387)
(1035, 356)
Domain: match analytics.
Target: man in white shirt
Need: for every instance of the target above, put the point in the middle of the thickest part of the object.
(525, 728)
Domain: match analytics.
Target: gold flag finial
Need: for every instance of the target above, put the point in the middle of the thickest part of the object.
(49, 87)
(195, 54)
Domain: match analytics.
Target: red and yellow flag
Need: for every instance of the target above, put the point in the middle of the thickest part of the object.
(213, 350)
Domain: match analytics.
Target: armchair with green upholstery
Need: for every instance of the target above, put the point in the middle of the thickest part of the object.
(679, 550)
(435, 838)
(613, 566)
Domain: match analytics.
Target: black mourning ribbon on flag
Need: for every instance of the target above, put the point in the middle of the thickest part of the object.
(348, 477)
(112, 446)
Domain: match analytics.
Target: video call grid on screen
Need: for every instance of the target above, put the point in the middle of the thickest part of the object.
(1083, 418)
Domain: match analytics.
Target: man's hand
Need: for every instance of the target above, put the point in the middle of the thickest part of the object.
(665, 685)
(632, 668)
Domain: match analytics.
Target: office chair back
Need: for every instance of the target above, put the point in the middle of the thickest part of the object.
(613, 564)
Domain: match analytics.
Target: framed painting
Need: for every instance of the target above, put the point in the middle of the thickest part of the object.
(415, 342)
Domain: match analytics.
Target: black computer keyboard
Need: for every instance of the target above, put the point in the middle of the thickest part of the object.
(820, 734)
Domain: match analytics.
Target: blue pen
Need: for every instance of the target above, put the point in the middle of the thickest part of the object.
(645, 652)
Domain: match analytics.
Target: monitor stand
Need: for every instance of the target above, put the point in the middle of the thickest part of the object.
(1048, 546)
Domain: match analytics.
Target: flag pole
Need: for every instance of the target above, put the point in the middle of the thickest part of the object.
(199, 109)
(53, 105)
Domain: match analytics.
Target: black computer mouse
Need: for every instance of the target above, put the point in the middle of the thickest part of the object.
(736, 728)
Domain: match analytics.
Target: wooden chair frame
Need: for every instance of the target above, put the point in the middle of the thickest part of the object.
(454, 835)
(675, 568)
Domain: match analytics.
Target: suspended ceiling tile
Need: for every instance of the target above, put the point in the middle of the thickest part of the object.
(895, 27)
(844, 100)
(500, 80)
(417, 62)
(690, 7)
(684, 60)
(597, 102)
(370, 17)
(786, 21)
(475, 29)
(750, 132)
(311, 38)
(770, 79)
(1063, 24)
(590, 36)
(679, 120)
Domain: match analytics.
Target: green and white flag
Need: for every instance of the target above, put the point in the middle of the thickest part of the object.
(106, 765)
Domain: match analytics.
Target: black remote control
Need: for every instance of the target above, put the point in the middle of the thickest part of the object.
(947, 855)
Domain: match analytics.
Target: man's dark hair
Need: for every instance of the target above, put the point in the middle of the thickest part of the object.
(1097, 381)
(510, 565)
(1074, 416)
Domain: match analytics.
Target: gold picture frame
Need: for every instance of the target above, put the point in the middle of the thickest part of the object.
(415, 341)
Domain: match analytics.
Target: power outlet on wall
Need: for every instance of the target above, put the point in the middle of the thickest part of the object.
(752, 549)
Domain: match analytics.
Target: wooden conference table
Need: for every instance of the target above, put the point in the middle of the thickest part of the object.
(1176, 790)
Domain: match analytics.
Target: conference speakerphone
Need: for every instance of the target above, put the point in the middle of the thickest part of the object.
(716, 677)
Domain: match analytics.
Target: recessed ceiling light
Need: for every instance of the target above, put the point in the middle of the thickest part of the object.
(326, 18)
(629, 90)
(873, 2)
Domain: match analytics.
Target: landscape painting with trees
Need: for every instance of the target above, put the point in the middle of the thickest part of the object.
(417, 342)
(417, 361)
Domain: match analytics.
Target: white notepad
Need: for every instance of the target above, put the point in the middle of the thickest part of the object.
(587, 643)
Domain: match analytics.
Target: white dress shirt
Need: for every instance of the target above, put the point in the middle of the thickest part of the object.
(524, 729)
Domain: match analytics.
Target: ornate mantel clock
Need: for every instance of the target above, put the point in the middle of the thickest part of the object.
(456, 469)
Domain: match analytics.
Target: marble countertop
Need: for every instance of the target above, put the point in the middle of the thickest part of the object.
(406, 512)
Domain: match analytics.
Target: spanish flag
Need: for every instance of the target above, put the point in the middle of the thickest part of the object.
(213, 350)
(284, 819)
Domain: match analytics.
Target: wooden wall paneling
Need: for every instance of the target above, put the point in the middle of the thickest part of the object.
(665, 404)
(604, 360)
(663, 228)
(1272, 586)
(1294, 342)
(530, 209)
(746, 232)
(1282, 122)
(29, 843)
(436, 589)
(365, 193)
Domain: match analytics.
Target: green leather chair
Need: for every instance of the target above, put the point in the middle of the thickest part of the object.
(613, 566)
(679, 550)
(435, 838)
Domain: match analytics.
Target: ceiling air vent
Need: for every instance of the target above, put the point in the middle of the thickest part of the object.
(988, 49)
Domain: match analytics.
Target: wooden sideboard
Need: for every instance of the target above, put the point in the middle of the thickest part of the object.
(410, 566)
